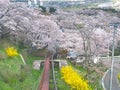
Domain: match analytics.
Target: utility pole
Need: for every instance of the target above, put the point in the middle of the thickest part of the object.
(115, 25)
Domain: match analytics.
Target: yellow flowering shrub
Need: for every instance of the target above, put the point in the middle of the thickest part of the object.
(119, 77)
(72, 78)
(11, 51)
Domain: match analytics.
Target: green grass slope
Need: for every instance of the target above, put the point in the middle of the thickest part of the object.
(14, 75)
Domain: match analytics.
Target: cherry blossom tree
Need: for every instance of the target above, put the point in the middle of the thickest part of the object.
(36, 30)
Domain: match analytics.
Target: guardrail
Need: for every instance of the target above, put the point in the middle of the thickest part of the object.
(109, 57)
(44, 83)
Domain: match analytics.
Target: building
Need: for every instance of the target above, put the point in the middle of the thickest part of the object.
(19, 1)
(53, 3)
(60, 3)
(31, 3)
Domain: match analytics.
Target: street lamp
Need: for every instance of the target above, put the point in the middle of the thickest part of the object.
(115, 25)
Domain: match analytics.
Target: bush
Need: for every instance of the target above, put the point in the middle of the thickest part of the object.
(21, 45)
(62, 53)
(11, 51)
(119, 77)
(43, 8)
(110, 10)
(52, 9)
(72, 78)
(116, 51)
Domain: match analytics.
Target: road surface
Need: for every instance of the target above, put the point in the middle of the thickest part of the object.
(115, 82)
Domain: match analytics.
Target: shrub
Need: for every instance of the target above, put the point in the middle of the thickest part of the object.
(43, 8)
(119, 77)
(62, 53)
(21, 45)
(72, 78)
(11, 51)
(52, 9)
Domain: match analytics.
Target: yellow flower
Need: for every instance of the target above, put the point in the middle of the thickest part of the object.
(72, 78)
(11, 51)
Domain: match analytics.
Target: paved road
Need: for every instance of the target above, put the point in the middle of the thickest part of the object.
(115, 83)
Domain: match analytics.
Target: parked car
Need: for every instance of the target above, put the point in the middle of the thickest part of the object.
(72, 55)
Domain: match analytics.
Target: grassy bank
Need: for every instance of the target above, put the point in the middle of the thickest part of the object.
(61, 85)
(14, 75)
